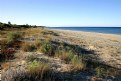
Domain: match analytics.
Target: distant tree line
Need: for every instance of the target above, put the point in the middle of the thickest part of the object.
(9, 25)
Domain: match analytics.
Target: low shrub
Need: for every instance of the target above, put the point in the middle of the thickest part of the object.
(47, 48)
(6, 54)
(48, 32)
(78, 63)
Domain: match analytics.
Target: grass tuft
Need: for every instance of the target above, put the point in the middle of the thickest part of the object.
(40, 70)
(100, 72)
(78, 63)
(13, 37)
(65, 55)
(27, 47)
(47, 48)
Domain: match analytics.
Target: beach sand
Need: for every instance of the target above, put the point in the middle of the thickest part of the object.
(107, 47)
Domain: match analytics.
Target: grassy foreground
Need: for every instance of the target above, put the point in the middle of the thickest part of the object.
(35, 56)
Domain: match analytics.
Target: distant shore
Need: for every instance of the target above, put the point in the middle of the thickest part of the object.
(106, 30)
(106, 46)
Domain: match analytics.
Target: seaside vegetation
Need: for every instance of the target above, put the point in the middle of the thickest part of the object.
(78, 63)
(39, 69)
(65, 55)
(27, 38)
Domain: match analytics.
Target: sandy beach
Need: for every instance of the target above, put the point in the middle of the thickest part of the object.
(107, 47)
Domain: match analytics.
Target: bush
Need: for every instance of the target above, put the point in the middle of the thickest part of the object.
(27, 47)
(78, 63)
(47, 48)
(5, 52)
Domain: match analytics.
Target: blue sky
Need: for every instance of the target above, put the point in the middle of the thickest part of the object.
(62, 12)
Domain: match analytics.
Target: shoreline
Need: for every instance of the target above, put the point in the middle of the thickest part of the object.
(115, 37)
(106, 46)
(105, 30)
(83, 31)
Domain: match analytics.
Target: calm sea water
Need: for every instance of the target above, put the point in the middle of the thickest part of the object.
(109, 30)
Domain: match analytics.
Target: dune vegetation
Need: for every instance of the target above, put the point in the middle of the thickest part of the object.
(29, 53)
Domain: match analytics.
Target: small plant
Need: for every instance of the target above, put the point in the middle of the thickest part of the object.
(47, 48)
(100, 72)
(27, 47)
(78, 63)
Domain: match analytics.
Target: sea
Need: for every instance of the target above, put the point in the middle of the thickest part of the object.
(108, 30)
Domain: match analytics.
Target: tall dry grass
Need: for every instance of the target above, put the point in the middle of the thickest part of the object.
(78, 63)
(27, 47)
(64, 55)
(39, 69)
(13, 37)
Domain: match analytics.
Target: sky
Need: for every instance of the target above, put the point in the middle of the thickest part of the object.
(61, 12)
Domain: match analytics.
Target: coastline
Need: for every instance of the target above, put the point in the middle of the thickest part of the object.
(105, 30)
(85, 31)
(106, 46)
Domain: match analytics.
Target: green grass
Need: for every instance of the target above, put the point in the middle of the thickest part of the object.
(47, 48)
(100, 72)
